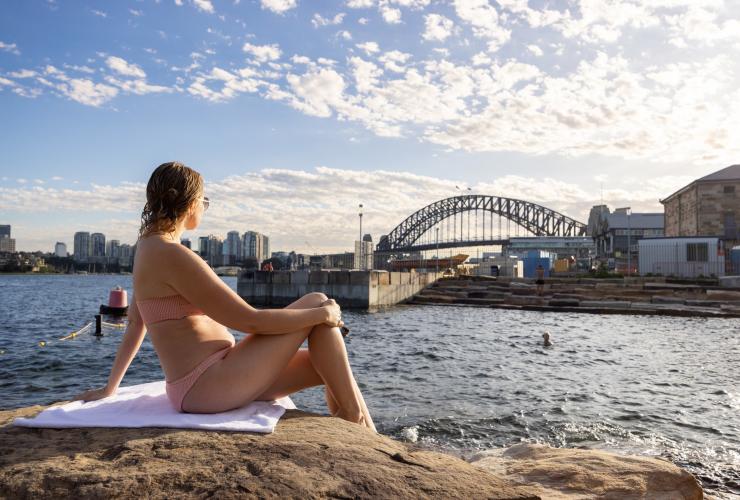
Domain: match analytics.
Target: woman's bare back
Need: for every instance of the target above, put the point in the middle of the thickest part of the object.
(180, 343)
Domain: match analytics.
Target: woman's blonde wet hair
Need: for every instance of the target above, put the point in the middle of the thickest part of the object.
(171, 191)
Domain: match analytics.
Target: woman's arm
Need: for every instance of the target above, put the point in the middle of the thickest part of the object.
(195, 280)
(132, 339)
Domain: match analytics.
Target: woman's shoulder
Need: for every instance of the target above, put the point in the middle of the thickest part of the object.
(160, 252)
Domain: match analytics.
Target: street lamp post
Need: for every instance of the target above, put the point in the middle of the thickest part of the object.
(629, 243)
(362, 262)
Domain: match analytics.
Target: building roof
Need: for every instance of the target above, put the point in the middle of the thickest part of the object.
(731, 173)
(636, 221)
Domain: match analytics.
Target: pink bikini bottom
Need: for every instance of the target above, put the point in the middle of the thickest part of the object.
(177, 390)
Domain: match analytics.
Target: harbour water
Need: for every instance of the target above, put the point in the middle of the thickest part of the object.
(454, 378)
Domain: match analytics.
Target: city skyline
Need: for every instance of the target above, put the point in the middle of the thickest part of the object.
(297, 112)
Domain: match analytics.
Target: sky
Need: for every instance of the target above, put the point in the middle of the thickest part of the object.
(297, 111)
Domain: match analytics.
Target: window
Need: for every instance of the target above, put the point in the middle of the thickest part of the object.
(697, 252)
(730, 226)
(728, 189)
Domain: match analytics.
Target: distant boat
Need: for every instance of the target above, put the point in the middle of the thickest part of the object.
(419, 263)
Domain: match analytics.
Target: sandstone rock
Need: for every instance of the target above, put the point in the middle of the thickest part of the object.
(308, 456)
(562, 473)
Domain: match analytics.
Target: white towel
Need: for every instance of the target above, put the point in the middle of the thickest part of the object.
(146, 405)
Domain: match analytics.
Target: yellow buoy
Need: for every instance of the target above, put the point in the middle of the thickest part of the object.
(42, 343)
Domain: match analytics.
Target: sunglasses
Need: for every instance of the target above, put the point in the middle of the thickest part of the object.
(206, 202)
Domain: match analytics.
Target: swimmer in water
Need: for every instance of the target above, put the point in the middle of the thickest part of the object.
(546, 337)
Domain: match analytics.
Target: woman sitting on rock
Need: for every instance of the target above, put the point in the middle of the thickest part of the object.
(186, 309)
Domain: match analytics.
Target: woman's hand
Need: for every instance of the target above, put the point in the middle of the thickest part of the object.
(335, 313)
(94, 394)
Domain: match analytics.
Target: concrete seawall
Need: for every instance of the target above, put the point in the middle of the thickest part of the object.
(353, 289)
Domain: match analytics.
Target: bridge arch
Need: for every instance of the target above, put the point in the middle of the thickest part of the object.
(538, 220)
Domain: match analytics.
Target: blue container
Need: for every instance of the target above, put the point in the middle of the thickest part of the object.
(534, 258)
(735, 261)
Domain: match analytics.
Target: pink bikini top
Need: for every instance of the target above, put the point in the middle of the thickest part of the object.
(164, 308)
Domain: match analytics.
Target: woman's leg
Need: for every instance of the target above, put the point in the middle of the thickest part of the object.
(262, 365)
(298, 375)
(329, 357)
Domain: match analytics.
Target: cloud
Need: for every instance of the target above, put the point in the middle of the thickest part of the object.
(136, 13)
(534, 49)
(279, 6)
(437, 28)
(204, 6)
(360, 4)
(368, 47)
(263, 53)
(99, 13)
(9, 47)
(124, 68)
(231, 84)
(390, 15)
(23, 73)
(484, 20)
(318, 20)
(256, 201)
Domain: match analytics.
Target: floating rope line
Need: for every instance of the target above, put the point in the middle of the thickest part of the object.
(113, 325)
(74, 334)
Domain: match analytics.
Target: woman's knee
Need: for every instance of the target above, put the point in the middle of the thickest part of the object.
(316, 297)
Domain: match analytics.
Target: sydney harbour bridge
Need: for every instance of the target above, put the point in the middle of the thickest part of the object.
(475, 220)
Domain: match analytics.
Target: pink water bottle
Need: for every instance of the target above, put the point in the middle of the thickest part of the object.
(117, 298)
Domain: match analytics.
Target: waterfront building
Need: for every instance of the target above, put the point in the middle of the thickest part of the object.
(203, 247)
(612, 232)
(112, 249)
(578, 249)
(82, 246)
(685, 257)
(97, 247)
(283, 257)
(4, 230)
(363, 255)
(60, 249)
(344, 260)
(185, 242)
(232, 248)
(7, 244)
(215, 251)
(265, 247)
(292, 260)
(709, 206)
(253, 246)
(126, 255)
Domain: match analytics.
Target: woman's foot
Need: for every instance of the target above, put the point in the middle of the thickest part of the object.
(356, 417)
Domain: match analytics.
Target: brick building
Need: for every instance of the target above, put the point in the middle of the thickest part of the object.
(709, 206)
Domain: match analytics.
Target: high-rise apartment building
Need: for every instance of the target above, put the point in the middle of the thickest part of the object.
(60, 249)
(112, 250)
(256, 245)
(97, 246)
(82, 246)
(186, 243)
(265, 247)
(215, 251)
(203, 246)
(232, 249)
(126, 255)
(7, 244)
